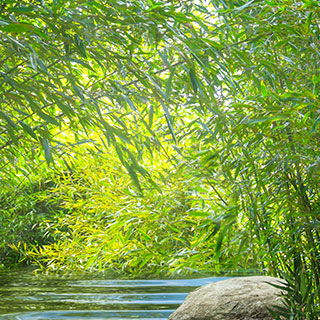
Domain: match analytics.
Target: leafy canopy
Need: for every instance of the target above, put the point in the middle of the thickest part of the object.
(232, 86)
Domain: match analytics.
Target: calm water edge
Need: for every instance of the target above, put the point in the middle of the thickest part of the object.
(92, 297)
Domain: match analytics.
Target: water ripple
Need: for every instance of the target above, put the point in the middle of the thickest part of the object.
(81, 298)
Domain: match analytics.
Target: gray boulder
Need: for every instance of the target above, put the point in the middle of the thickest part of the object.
(245, 298)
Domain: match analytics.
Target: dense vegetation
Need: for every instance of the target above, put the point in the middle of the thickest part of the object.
(92, 219)
(163, 137)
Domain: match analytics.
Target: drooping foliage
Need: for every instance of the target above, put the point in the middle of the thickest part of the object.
(90, 64)
(231, 86)
(99, 223)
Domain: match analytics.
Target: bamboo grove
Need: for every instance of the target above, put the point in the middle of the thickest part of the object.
(222, 94)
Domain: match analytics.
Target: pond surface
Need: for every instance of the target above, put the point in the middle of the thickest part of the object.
(30, 297)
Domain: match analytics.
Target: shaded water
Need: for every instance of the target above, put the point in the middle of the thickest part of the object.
(29, 297)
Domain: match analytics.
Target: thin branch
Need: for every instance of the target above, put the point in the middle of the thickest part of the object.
(217, 192)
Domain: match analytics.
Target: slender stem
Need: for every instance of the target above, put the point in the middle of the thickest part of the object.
(305, 202)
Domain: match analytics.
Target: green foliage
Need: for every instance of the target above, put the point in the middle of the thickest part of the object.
(104, 224)
(22, 221)
(227, 90)
(84, 66)
(299, 298)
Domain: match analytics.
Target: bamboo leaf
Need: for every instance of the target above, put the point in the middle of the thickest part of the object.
(79, 43)
(47, 118)
(194, 80)
(315, 125)
(33, 62)
(42, 65)
(130, 103)
(169, 122)
(21, 28)
(264, 119)
(263, 89)
(4, 22)
(12, 135)
(84, 64)
(47, 150)
(17, 27)
(169, 84)
(4, 116)
(133, 176)
(28, 130)
(150, 115)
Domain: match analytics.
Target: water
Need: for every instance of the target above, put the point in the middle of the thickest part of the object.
(29, 297)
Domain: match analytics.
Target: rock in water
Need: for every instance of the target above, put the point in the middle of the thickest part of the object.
(245, 298)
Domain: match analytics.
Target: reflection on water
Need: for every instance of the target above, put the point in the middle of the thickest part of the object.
(147, 283)
(91, 315)
(30, 297)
